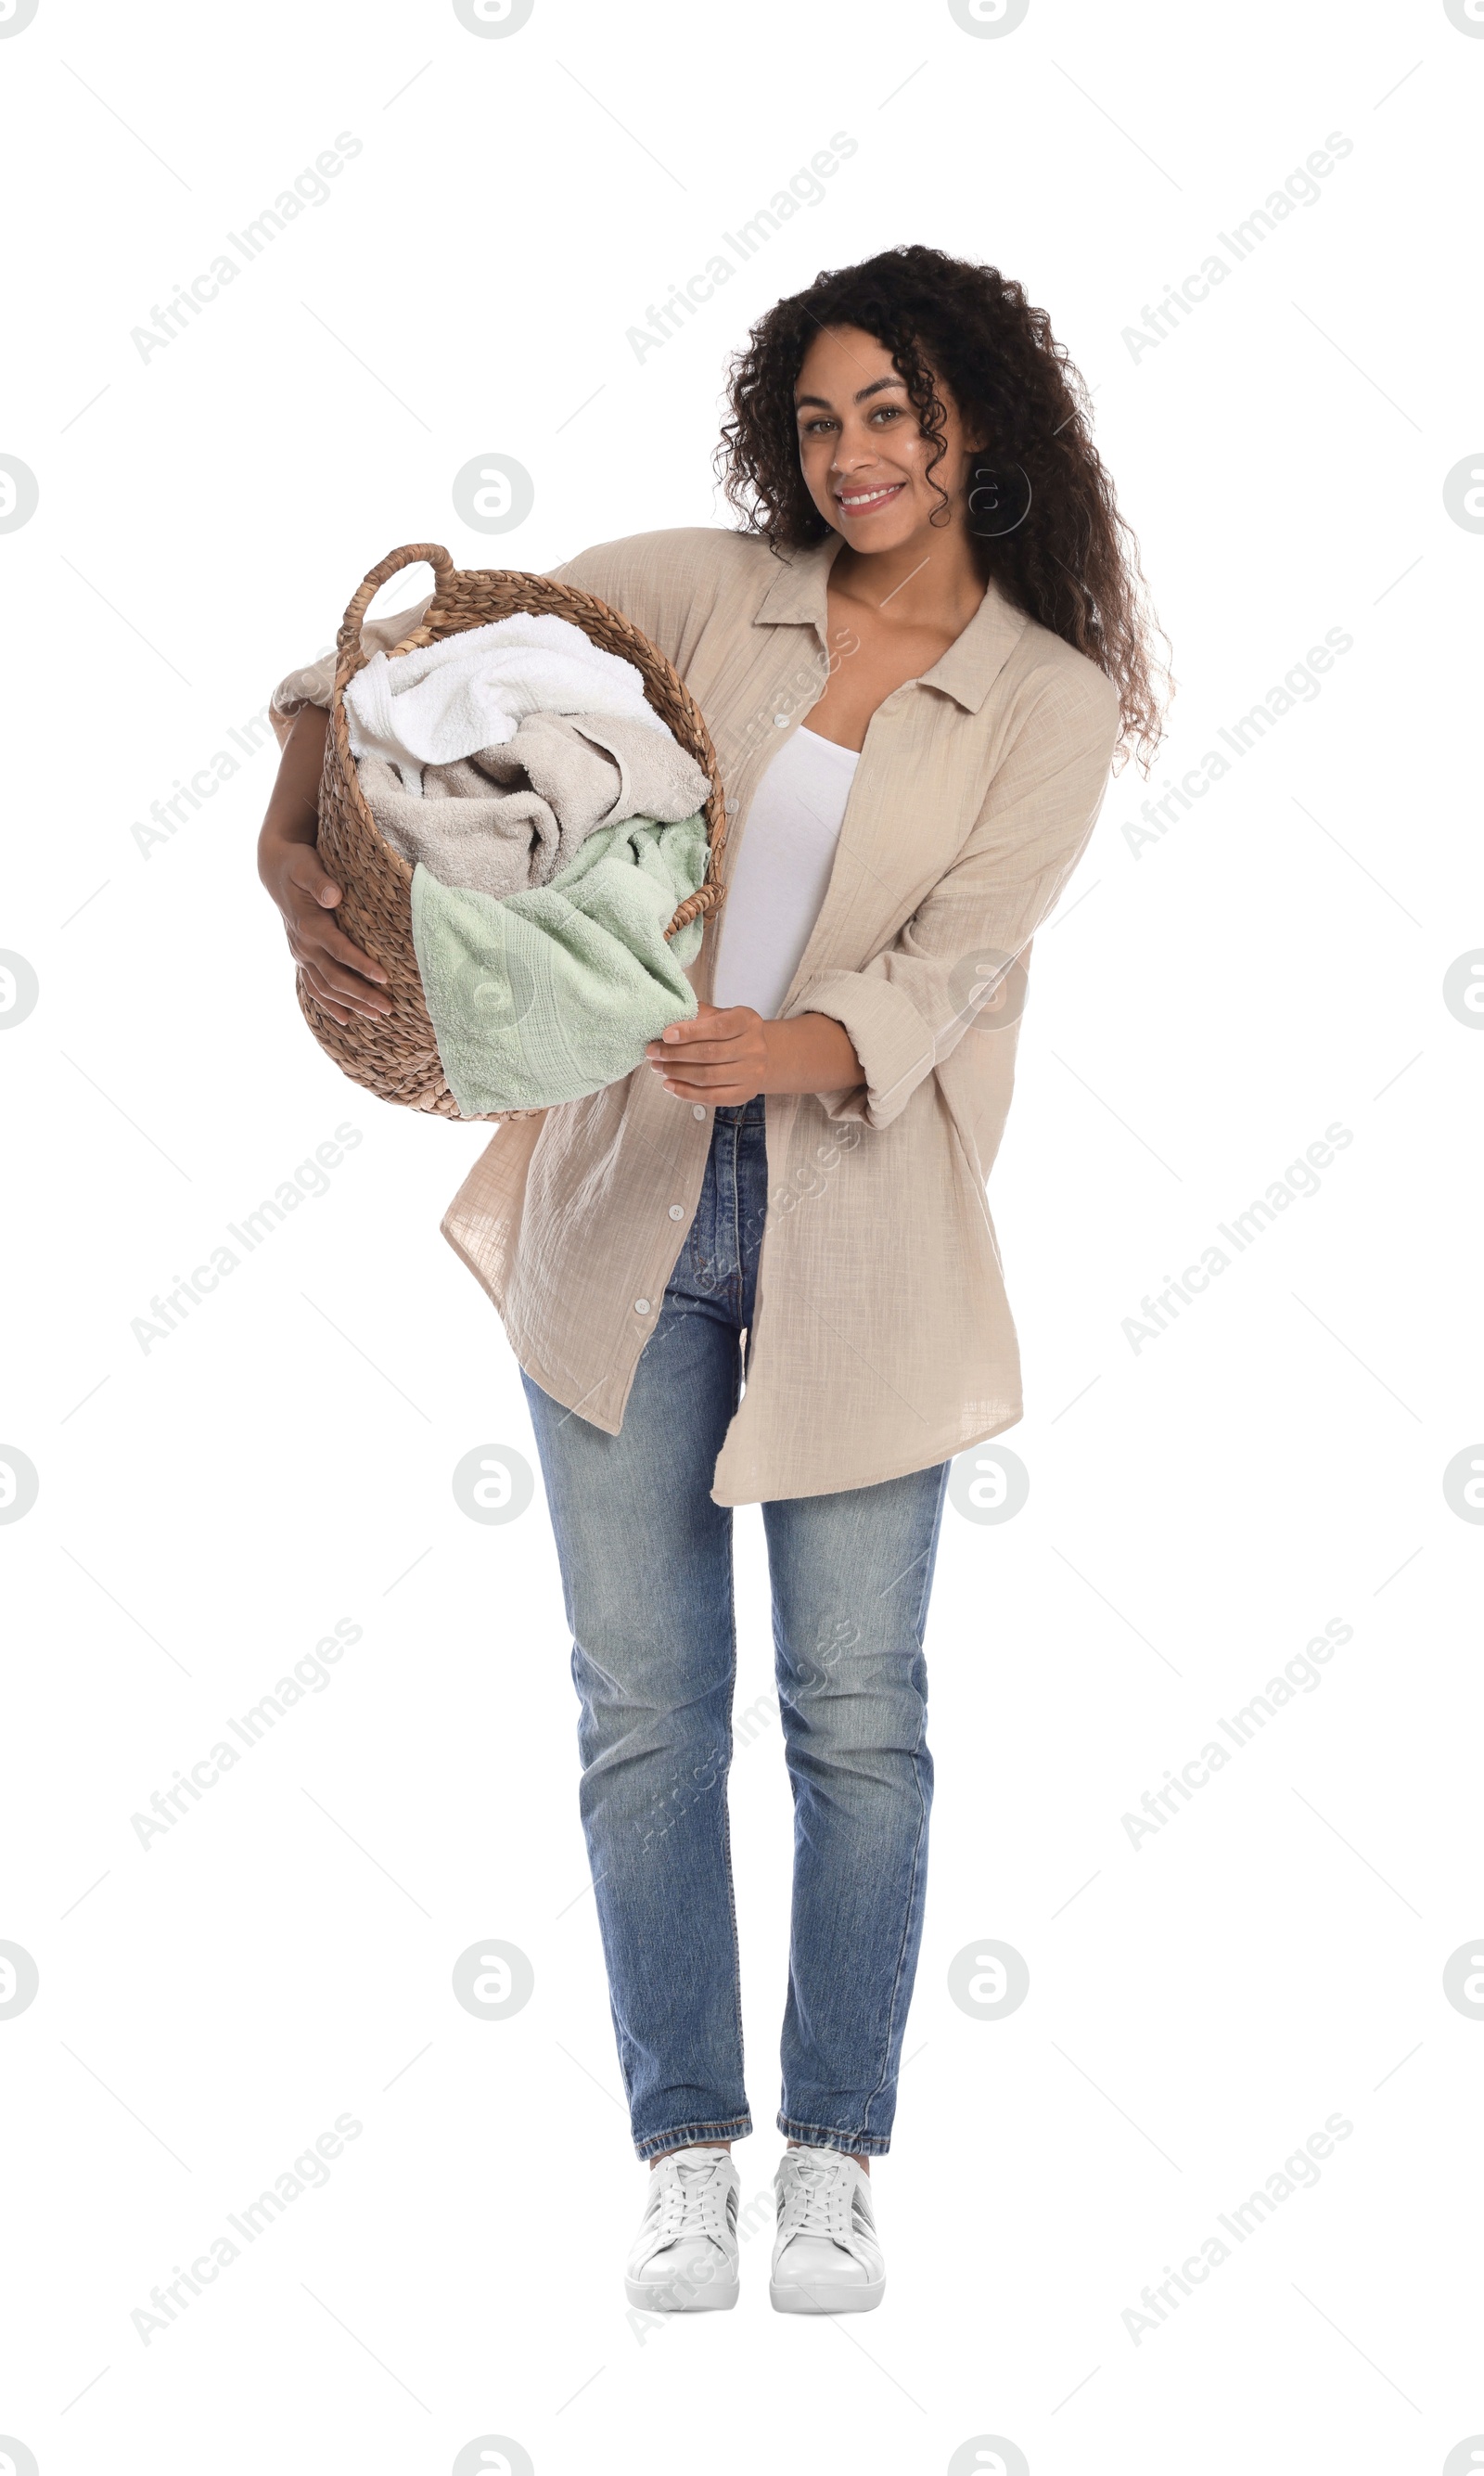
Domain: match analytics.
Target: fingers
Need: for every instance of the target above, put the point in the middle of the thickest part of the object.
(712, 1023)
(707, 1079)
(347, 984)
(696, 1053)
(342, 970)
(340, 991)
(324, 939)
(306, 872)
(728, 1096)
(322, 998)
(718, 1035)
(316, 942)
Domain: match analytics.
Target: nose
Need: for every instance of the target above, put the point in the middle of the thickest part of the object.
(849, 456)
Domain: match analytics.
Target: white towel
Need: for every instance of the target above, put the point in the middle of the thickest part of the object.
(440, 703)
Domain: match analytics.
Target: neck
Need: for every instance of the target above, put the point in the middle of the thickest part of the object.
(932, 580)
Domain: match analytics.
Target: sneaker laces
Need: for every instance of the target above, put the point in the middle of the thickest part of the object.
(688, 2197)
(818, 2197)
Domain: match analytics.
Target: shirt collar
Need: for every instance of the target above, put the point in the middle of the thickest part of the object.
(797, 595)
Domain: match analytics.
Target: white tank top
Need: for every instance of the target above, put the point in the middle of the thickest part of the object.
(783, 869)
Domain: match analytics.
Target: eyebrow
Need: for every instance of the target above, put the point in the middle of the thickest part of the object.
(859, 396)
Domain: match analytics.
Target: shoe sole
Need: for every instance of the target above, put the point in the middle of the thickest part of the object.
(682, 2295)
(792, 2297)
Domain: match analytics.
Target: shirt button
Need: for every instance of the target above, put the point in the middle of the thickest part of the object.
(677, 1211)
(780, 722)
(696, 1109)
(641, 1306)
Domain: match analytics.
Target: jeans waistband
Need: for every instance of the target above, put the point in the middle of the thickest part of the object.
(743, 1113)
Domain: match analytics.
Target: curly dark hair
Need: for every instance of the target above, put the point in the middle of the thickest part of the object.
(1072, 562)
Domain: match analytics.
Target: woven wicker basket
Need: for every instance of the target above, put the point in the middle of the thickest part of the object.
(396, 1055)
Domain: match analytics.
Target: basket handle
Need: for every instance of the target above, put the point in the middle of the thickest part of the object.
(348, 646)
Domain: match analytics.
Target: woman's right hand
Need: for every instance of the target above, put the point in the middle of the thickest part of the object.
(341, 979)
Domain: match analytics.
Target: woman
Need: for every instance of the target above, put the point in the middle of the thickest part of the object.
(916, 662)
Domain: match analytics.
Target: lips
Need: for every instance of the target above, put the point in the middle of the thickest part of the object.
(860, 503)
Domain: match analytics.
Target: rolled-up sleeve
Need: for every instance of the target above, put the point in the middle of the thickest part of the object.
(909, 1007)
(313, 683)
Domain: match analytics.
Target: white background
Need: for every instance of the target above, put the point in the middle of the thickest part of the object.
(1199, 2004)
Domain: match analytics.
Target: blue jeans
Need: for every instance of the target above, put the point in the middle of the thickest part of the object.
(646, 1566)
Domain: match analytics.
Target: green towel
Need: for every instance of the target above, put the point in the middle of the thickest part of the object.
(544, 996)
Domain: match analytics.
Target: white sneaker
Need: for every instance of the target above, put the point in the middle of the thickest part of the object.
(684, 2257)
(827, 2258)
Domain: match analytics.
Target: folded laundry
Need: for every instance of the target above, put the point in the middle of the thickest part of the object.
(559, 777)
(545, 995)
(439, 703)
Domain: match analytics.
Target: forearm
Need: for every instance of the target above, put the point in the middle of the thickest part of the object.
(810, 1053)
(292, 814)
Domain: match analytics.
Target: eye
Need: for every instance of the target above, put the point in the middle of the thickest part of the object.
(887, 413)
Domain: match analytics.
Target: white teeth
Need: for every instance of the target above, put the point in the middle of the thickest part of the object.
(867, 497)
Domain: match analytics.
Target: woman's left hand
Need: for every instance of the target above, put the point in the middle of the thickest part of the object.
(727, 1055)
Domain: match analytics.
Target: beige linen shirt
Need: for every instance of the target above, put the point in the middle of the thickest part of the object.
(882, 1341)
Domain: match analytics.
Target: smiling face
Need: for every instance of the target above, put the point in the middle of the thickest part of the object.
(861, 448)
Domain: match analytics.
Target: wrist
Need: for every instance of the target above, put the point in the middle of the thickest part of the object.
(810, 1053)
(776, 1037)
(277, 842)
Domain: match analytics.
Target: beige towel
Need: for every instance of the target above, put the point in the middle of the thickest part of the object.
(561, 776)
